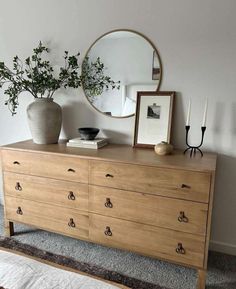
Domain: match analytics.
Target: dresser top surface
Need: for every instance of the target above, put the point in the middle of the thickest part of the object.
(124, 154)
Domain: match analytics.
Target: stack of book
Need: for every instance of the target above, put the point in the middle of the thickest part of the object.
(90, 144)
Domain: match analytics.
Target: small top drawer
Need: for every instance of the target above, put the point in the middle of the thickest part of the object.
(46, 165)
(174, 183)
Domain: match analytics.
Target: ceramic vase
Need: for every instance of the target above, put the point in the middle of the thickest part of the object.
(163, 148)
(45, 119)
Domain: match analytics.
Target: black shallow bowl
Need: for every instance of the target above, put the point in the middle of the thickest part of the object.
(88, 133)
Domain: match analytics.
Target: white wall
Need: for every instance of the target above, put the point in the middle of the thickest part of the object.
(197, 45)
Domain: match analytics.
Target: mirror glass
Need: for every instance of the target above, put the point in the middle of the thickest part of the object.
(116, 66)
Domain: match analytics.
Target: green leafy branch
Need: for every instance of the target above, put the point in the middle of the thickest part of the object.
(36, 76)
(94, 80)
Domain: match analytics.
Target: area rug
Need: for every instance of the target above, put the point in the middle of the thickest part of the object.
(9, 243)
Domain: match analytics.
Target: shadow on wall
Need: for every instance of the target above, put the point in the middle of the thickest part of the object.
(219, 124)
(219, 128)
(75, 115)
(114, 136)
(224, 200)
(178, 121)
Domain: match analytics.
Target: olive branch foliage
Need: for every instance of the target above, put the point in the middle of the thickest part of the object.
(94, 80)
(36, 76)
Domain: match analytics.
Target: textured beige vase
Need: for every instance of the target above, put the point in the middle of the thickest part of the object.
(45, 119)
(163, 148)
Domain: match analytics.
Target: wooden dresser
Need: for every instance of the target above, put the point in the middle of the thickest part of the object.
(132, 199)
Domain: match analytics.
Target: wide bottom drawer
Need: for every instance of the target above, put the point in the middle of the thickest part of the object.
(167, 244)
(54, 218)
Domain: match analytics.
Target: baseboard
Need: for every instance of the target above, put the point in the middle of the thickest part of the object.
(223, 247)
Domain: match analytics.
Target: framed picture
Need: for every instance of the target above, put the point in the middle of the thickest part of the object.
(153, 117)
(155, 67)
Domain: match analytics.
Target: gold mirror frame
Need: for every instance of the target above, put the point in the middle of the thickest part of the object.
(154, 49)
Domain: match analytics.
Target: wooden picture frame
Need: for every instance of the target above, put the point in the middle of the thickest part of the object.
(153, 118)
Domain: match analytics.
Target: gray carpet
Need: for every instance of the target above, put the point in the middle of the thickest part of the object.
(221, 271)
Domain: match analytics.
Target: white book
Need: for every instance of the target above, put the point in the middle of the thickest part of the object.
(96, 141)
(89, 146)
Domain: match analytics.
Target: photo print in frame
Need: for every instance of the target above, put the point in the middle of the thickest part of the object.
(153, 117)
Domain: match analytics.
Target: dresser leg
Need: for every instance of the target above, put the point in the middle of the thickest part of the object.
(9, 229)
(201, 282)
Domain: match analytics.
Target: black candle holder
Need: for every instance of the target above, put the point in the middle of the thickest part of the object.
(194, 149)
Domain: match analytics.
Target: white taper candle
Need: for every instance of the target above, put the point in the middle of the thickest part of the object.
(189, 111)
(205, 113)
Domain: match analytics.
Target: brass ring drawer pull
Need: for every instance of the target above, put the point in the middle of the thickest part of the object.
(108, 231)
(16, 163)
(109, 176)
(180, 249)
(71, 170)
(18, 187)
(19, 211)
(71, 196)
(184, 186)
(108, 203)
(182, 217)
(71, 223)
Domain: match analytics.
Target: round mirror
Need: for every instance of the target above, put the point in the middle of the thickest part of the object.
(116, 66)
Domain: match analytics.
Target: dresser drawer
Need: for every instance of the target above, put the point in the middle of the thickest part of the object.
(57, 219)
(46, 165)
(185, 216)
(55, 192)
(149, 240)
(166, 182)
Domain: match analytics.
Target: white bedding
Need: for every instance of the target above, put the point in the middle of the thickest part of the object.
(18, 272)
